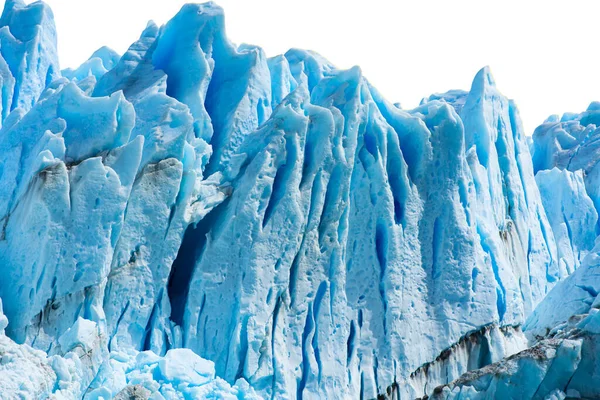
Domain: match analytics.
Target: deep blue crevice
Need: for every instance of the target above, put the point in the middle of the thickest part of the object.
(362, 386)
(474, 274)
(316, 312)
(87, 303)
(118, 323)
(201, 323)
(397, 177)
(190, 252)
(590, 290)
(504, 160)
(381, 244)
(350, 344)
(500, 290)
(398, 211)
(529, 246)
(15, 99)
(147, 343)
(568, 226)
(438, 242)
(485, 356)
(280, 183)
(371, 144)
(308, 327)
(381, 248)
(376, 372)
(273, 352)
(310, 148)
(243, 349)
(294, 274)
(514, 127)
(331, 203)
(49, 75)
(549, 277)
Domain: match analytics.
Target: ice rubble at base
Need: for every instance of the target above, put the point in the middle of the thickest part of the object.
(275, 216)
(81, 357)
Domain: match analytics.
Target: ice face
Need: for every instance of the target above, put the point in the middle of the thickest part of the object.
(28, 58)
(561, 361)
(571, 142)
(565, 155)
(562, 364)
(194, 200)
(103, 60)
(571, 213)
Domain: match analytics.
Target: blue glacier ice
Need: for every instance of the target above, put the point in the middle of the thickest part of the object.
(101, 61)
(571, 213)
(194, 220)
(566, 157)
(28, 57)
(81, 358)
(563, 330)
(562, 363)
(571, 143)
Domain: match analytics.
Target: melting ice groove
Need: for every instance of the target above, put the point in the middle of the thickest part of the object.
(195, 220)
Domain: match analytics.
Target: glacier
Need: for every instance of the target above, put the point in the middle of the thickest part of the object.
(193, 219)
(562, 359)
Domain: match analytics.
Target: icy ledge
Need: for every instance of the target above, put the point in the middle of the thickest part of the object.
(83, 358)
(563, 365)
(474, 350)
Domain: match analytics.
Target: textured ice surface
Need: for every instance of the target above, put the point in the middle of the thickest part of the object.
(564, 363)
(28, 58)
(276, 216)
(103, 60)
(80, 367)
(571, 142)
(559, 147)
(563, 360)
(571, 213)
(575, 295)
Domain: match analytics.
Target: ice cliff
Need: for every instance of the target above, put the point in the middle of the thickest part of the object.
(562, 360)
(193, 219)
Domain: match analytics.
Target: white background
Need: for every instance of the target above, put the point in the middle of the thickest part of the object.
(543, 54)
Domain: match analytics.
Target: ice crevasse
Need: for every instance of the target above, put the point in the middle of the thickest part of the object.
(193, 219)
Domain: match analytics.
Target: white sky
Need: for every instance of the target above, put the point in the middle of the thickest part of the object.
(543, 54)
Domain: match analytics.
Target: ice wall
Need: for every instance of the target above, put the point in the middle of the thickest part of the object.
(276, 216)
